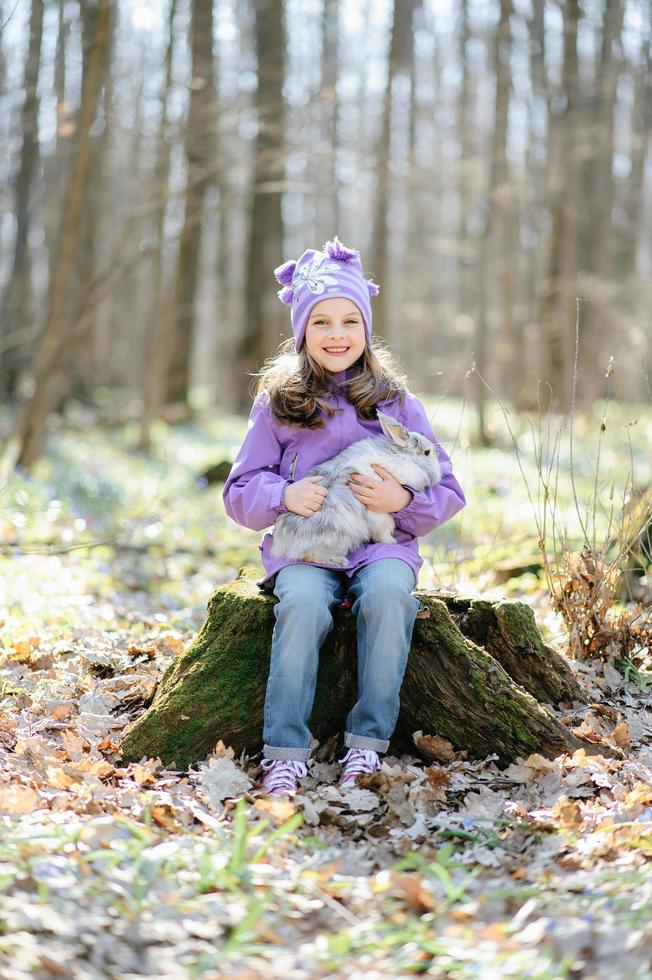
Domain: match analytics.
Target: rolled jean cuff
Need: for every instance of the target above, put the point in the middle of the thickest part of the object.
(362, 742)
(293, 752)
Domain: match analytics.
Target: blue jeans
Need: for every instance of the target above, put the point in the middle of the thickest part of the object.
(385, 610)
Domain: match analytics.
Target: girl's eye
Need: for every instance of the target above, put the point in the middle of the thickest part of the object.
(319, 322)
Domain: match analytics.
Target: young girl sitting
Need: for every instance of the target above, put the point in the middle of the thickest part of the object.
(311, 403)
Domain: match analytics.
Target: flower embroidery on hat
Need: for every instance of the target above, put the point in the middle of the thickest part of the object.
(314, 274)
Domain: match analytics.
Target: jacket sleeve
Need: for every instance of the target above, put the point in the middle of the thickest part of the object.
(253, 494)
(435, 505)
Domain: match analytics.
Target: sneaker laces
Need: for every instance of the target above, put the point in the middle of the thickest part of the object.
(281, 775)
(357, 762)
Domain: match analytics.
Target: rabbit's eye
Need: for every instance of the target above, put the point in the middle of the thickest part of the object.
(426, 452)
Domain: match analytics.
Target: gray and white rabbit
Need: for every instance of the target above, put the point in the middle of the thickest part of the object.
(344, 523)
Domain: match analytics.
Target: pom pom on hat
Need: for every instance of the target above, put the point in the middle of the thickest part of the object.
(335, 250)
(373, 288)
(284, 273)
(286, 295)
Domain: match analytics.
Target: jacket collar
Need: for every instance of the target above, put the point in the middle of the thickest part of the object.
(337, 378)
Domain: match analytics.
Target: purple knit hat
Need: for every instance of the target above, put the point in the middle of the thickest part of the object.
(336, 271)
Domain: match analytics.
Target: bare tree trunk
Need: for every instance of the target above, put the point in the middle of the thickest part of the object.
(535, 200)
(60, 66)
(400, 55)
(496, 191)
(33, 418)
(200, 150)
(415, 324)
(464, 296)
(57, 166)
(602, 232)
(86, 369)
(327, 208)
(17, 306)
(504, 205)
(264, 316)
(559, 289)
(642, 127)
(157, 333)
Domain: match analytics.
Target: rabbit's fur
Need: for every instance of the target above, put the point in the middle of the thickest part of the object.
(344, 523)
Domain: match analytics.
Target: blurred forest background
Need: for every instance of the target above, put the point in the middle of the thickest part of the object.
(490, 159)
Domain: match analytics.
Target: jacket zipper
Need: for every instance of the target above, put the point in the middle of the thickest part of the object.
(293, 465)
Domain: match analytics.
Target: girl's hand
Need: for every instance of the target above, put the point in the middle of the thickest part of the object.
(382, 498)
(304, 497)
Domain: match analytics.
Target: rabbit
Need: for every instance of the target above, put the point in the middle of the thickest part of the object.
(344, 523)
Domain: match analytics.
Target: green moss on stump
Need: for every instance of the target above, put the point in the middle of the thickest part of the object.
(475, 671)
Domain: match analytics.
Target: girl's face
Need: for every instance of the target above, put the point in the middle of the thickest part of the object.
(335, 335)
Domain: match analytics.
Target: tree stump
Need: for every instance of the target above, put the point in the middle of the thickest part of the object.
(478, 674)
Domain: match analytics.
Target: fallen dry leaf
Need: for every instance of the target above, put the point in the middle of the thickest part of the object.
(222, 749)
(73, 745)
(437, 777)
(62, 710)
(220, 780)
(143, 775)
(163, 815)
(91, 767)
(411, 889)
(434, 746)
(135, 651)
(58, 778)
(567, 813)
(621, 736)
(17, 799)
(277, 808)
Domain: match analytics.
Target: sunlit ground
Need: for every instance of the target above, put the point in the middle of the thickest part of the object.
(108, 560)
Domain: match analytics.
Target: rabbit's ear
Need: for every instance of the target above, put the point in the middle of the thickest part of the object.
(393, 429)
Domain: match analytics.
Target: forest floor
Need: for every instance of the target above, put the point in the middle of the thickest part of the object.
(455, 869)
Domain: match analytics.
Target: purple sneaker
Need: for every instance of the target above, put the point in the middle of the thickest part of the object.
(282, 775)
(356, 762)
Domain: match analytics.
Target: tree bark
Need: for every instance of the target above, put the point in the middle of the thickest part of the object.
(200, 147)
(602, 232)
(557, 312)
(160, 322)
(328, 203)
(17, 306)
(52, 344)
(264, 317)
(382, 252)
(497, 196)
(478, 674)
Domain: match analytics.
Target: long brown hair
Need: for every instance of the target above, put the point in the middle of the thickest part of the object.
(298, 387)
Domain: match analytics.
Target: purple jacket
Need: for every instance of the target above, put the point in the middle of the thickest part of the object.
(274, 454)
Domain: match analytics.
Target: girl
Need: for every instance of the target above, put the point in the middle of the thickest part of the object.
(311, 404)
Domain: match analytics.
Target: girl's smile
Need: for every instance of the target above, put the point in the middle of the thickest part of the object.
(335, 335)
